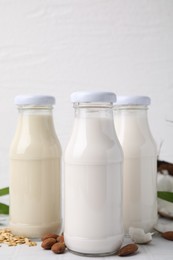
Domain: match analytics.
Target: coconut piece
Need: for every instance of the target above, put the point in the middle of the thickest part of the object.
(139, 236)
(163, 227)
(165, 183)
(165, 215)
(165, 208)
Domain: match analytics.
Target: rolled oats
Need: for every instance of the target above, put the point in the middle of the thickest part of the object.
(6, 237)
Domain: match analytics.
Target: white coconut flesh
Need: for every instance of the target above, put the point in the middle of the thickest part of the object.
(139, 236)
(165, 183)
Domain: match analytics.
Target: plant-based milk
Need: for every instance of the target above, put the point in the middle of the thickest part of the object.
(139, 167)
(93, 181)
(35, 163)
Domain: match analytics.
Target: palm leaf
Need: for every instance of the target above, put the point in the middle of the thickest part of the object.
(165, 195)
(4, 191)
(4, 209)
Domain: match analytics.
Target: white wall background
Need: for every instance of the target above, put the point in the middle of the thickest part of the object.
(59, 46)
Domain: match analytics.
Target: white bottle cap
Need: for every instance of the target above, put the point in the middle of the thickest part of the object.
(34, 100)
(93, 96)
(133, 100)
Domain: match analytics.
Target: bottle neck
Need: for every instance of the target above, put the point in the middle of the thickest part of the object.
(35, 110)
(93, 111)
(35, 120)
(35, 137)
(94, 123)
(131, 120)
(134, 113)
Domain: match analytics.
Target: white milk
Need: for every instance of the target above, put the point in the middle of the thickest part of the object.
(35, 176)
(139, 167)
(93, 188)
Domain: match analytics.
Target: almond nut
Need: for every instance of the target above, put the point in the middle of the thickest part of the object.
(48, 243)
(60, 239)
(168, 235)
(58, 248)
(49, 235)
(127, 250)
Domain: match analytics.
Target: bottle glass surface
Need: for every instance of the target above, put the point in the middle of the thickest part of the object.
(140, 163)
(93, 178)
(35, 168)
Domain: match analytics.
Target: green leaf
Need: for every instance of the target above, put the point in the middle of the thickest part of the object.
(4, 209)
(4, 191)
(165, 195)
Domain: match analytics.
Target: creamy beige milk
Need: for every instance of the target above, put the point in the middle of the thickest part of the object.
(139, 169)
(35, 177)
(93, 188)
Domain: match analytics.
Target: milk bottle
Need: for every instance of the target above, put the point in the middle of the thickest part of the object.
(93, 177)
(140, 158)
(35, 165)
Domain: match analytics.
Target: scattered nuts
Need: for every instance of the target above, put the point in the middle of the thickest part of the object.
(58, 248)
(48, 243)
(51, 235)
(53, 242)
(168, 235)
(127, 250)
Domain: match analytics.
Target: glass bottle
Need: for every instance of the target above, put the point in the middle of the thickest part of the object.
(93, 177)
(140, 162)
(35, 167)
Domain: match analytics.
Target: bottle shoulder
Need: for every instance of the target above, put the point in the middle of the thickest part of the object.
(136, 138)
(101, 151)
(93, 140)
(35, 147)
(35, 137)
(139, 147)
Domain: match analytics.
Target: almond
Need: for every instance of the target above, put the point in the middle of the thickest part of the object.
(48, 243)
(168, 235)
(60, 239)
(58, 248)
(128, 250)
(49, 235)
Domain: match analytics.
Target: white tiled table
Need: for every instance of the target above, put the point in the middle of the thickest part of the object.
(158, 249)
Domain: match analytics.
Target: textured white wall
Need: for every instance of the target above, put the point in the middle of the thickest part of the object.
(59, 46)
